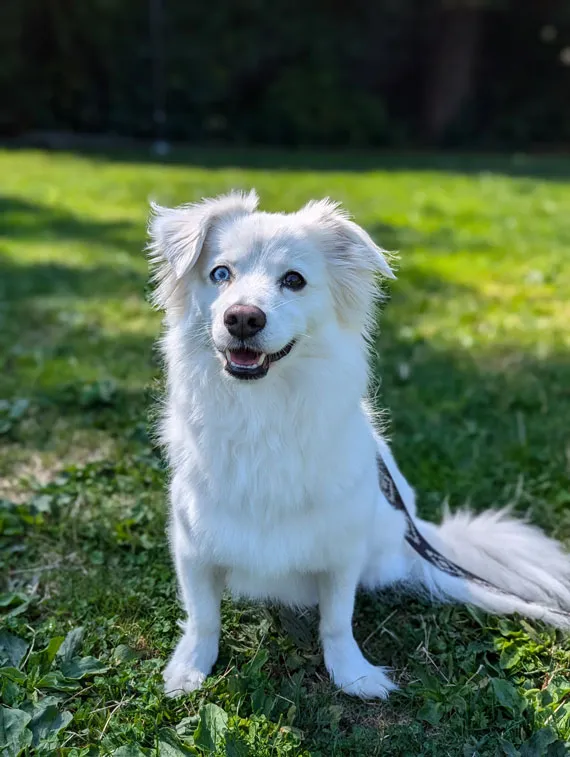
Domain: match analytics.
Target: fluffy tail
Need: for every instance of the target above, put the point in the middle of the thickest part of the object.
(508, 553)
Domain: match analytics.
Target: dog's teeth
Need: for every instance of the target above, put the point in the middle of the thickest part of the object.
(260, 360)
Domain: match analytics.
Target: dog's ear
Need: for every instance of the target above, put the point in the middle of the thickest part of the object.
(353, 258)
(177, 236)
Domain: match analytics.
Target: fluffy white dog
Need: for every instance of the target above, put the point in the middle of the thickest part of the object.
(274, 489)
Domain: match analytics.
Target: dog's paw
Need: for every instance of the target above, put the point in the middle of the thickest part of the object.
(190, 664)
(181, 679)
(365, 681)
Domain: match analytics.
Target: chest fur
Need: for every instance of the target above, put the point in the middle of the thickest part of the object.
(271, 492)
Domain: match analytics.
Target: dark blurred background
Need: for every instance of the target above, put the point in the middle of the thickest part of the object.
(395, 73)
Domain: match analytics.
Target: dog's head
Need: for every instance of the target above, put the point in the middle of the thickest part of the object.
(254, 286)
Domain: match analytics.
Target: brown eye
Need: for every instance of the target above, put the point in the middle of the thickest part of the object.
(293, 280)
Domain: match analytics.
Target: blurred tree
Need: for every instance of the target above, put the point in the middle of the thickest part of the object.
(392, 72)
(452, 62)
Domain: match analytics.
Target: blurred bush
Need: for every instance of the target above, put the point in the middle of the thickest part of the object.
(389, 72)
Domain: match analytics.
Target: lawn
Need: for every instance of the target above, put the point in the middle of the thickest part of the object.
(473, 368)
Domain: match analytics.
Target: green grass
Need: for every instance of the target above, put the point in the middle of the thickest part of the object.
(474, 362)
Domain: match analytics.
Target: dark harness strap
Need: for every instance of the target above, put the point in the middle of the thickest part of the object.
(420, 544)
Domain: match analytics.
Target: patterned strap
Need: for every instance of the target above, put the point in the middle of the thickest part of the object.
(420, 544)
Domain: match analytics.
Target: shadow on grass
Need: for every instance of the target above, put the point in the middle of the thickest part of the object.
(51, 352)
(25, 220)
(16, 283)
(444, 239)
(543, 167)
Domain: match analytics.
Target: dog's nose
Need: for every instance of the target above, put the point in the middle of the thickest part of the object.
(243, 321)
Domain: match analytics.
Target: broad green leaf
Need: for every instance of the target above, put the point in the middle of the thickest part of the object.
(129, 750)
(235, 747)
(14, 603)
(261, 703)
(70, 644)
(557, 749)
(11, 693)
(14, 734)
(47, 721)
(509, 749)
(508, 696)
(43, 659)
(430, 712)
(187, 725)
(12, 648)
(56, 680)
(18, 407)
(53, 647)
(13, 674)
(255, 665)
(510, 655)
(537, 745)
(80, 667)
(211, 728)
(170, 745)
(123, 653)
(166, 749)
(42, 503)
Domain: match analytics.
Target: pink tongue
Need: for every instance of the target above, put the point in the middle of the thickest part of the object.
(244, 357)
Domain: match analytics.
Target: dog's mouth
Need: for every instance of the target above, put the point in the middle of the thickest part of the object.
(246, 363)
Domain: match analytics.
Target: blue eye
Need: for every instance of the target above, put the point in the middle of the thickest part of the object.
(220, 274)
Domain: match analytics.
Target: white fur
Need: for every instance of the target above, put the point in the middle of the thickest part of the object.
(274, 490)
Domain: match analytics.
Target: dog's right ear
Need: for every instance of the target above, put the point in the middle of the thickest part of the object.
(177, 236)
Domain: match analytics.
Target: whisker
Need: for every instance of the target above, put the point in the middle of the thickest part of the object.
(279, 305)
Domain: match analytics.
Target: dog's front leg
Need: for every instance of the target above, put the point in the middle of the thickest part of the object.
(345, 663)
(196, 652)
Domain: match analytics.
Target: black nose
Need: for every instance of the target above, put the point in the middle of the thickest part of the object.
(243, 321)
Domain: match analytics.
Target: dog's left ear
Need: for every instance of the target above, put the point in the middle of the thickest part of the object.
(353, 258)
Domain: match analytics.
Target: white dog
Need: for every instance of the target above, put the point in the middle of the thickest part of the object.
(274, 489)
